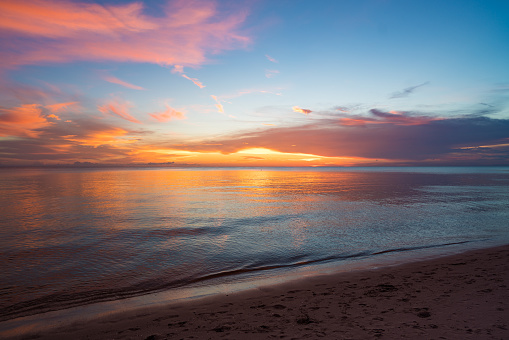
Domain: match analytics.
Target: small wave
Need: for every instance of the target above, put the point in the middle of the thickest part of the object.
(395, 250)
(64, 301)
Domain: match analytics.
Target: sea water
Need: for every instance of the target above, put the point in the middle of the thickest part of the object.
(74, 237)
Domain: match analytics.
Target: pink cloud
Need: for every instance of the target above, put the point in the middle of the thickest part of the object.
(180, 70)
(119, 109)
(342, 109)
(115, 80)
(167, 115)
(361, 121)
(195, 81)
(57, 31)
(271, 73)
(62, 19)
(271, 59)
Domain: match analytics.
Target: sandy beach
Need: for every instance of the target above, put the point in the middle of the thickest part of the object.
(463, 296)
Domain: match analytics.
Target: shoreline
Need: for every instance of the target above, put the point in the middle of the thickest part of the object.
(463, 296)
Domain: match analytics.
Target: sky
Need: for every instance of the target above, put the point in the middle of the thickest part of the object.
(255, 83)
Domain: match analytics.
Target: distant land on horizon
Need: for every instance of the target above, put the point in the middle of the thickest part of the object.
(91, 165)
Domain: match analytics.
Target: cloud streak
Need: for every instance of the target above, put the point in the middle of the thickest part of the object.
(117, 81)
(195, 81)
(407, 91)
(269, 58)
(180, 70)
(382, 117)
(219, 106)
(118, 109)
(60, 106)
(271, 73)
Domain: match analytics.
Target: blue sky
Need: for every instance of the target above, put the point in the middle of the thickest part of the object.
(237, 82)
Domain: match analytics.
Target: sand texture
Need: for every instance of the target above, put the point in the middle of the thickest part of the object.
(462, 296)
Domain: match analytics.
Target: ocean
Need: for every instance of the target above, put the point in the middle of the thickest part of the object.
(71, 238)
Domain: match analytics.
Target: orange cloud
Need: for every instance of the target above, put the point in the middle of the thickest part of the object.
(58, 31)
(54, 116)
(298, 109)
(115, 80)
(22, 121)
(60, 106)
(119, 109)
(167, 115)
(105, 137)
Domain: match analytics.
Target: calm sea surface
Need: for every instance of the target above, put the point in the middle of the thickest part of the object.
(70, 237)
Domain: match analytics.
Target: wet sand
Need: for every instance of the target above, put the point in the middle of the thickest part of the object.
(463, 296)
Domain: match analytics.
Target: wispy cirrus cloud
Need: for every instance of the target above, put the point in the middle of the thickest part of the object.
(180, 70)
(271, 73)
(115, 80)
(167, 115)
(195, 81)
(407, 91)
(269, 58)
(60, 106)
(42, 31)
(219, 106)
(119, 109)
(342, 109)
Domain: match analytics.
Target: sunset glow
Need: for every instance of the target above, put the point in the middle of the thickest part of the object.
(216, 83)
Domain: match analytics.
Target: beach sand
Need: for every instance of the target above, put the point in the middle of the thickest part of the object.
(463, 296)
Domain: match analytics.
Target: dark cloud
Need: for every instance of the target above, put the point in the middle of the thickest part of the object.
(431, 139)
(407, 91)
